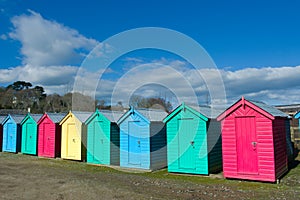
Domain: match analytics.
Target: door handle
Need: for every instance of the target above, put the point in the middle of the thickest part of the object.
(139, 143)
(73, 140)
(254, 144)
(192, 143)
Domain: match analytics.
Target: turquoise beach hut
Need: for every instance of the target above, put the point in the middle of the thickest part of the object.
(103, 137)
(193, 140)
(30, 133)
(297, 116)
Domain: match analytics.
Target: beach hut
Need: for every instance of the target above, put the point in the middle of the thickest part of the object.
(193, 140)
(296, 135)
(103, 137)
(49, 135)
(297, 116)
(253, 141)
(29, 134)
(73, 135)
(1, 131)
(12, 133)
(289, 143)
(143, 139)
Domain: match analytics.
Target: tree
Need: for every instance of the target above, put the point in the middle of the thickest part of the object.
(20, 85)
(156, 103)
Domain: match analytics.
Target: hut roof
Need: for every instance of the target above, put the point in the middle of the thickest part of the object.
(2, 117)
(56, 117)
(152, 115)
(112, 116)
(297, 115)
(17, 118)
(268, 110)
(82, 116)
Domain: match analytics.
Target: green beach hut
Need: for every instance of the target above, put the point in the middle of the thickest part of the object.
(193, 140)
(103, 137)
(29, 134)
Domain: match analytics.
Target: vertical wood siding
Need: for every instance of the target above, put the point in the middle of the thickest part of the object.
(289, 144)
(158, 145)
(57, 140)
(115, 144)
(280, 152)
(214, 147)
(1, 136)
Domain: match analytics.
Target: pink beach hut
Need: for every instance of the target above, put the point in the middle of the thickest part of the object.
(253, 141)
(49, 135)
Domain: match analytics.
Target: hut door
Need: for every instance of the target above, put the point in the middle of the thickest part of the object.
(246, 145)
(72, 141)
(134, 143)
(29, 145)
(46, 137)
(98, 151)
(186, 144)
(9, 136)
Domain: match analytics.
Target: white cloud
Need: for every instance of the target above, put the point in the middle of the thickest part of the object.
(51, 53)
(278, 85)
(46, 42)
(50, 77)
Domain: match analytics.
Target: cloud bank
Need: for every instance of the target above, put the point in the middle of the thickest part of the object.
(52, 53)
(46, 43)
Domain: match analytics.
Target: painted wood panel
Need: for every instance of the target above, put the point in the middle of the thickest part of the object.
(247, 159)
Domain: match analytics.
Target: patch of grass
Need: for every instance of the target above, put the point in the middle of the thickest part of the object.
(161, 174)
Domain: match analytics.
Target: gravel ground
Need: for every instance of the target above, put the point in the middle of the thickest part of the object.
(30, 177)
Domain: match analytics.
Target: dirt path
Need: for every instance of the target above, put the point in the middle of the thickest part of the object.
(29, 177)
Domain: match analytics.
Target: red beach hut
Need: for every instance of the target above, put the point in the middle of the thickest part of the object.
(253, 141)
(49, 135)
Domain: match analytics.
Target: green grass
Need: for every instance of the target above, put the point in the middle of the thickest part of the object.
(161, 174)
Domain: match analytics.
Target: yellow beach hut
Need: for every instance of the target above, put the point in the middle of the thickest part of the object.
(73, 135)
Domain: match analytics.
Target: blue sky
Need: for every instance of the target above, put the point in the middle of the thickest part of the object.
(251, 42)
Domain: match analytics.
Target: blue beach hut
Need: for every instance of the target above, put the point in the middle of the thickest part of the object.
(12, 133)
(143, 139)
